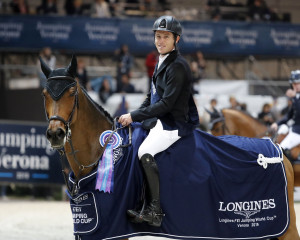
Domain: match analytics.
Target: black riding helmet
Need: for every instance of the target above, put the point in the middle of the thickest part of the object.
(294, 78)
(167, 23)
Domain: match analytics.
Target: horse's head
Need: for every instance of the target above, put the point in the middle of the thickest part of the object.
(60, 101)
(216, 122)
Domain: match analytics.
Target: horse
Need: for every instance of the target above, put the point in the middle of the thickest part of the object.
(235, 122)
(76, 123)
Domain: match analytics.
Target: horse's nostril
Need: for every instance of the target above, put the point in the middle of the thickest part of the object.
(55, 135)
(60, 133)
(49, 133)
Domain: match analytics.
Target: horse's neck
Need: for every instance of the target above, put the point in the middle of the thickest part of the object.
(89, 123)
(246, 126)
(259, 130)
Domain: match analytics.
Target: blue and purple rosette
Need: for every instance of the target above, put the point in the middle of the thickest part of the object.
(105, 171)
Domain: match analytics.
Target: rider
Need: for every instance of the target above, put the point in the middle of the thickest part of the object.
(293, 137)
(169, 111)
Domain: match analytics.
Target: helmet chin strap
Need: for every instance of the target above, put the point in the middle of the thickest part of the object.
(175, 48)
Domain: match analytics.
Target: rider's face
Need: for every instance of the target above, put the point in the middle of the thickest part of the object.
(296, 87)
(164, 42)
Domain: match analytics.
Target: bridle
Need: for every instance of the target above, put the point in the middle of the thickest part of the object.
(66, 123)
(223, 125)
(73, 190)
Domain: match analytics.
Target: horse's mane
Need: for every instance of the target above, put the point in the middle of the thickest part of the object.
(96, 105)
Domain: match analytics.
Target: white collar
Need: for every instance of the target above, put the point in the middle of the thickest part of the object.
(162, 58)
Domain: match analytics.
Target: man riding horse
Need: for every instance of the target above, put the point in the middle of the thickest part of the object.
(293, 137)
(169, 110)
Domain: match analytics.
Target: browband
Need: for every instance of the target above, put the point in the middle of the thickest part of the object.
(61, 77)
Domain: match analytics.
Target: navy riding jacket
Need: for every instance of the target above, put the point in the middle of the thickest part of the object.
(176, 107)
(293, 113)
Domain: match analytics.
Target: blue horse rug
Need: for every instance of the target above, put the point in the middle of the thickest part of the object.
(225, 187)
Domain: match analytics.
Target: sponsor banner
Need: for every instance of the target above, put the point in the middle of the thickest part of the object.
(85, 35)
(26, 155)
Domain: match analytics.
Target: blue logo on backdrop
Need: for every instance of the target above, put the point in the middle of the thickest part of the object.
(26, 155)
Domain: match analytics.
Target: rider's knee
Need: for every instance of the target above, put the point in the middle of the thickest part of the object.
(142, 151)
(145, 149)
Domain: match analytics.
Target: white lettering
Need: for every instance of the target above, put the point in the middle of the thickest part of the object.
(24, 162)
(287, 38)
(247, 205)
(24, 141)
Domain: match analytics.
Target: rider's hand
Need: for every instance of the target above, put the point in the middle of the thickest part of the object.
(125, 119)
(290, 93)
(274, 127)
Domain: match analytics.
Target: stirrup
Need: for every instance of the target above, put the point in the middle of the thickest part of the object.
(153, 218)
(135, 215)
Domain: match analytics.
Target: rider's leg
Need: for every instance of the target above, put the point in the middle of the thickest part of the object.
(290, 141)
(153, 213)
(157, 141)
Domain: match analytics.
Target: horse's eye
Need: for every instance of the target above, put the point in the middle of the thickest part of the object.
(72, 91)
(44, 93)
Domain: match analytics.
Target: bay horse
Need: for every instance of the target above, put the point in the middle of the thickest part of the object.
(235, 122)
(75, 125)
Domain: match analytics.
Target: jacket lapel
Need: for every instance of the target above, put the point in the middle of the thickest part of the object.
(169, 59)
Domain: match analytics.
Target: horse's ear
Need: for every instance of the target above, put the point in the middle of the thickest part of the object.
(72, 68)
(46, 70)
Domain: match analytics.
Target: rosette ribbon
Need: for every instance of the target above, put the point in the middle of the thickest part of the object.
(105, 171)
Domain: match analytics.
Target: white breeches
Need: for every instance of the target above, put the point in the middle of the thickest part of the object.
(291, 140)
(283, 129)
(158, 140)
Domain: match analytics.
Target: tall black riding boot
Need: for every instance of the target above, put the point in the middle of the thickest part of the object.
(152, 214)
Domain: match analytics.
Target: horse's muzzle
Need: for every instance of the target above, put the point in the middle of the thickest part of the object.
(56, 137)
